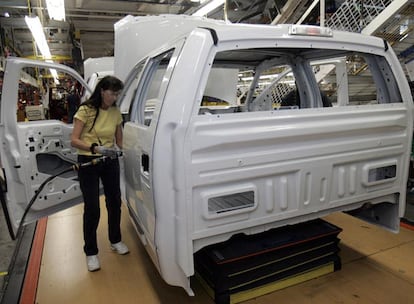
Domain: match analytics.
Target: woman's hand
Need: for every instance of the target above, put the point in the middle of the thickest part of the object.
(110, 152)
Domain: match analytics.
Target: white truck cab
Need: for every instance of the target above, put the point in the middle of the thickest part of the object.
(94, 70)
(233, 128)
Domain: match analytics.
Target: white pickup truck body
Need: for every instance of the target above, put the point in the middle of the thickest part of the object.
(94, 70)
(235, 128)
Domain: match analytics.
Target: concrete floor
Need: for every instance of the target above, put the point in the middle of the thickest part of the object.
(376, 269)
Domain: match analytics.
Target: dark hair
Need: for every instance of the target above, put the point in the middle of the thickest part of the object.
(107, 83)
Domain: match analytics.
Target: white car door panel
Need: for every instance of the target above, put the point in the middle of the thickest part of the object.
(35, 154)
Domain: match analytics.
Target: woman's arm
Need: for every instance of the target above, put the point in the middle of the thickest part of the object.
(75, 139)
(118, 136)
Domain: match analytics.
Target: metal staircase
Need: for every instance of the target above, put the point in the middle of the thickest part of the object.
(390, 20)
(387, 19)
(355, 15)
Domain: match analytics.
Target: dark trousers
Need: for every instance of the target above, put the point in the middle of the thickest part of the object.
(108, 173)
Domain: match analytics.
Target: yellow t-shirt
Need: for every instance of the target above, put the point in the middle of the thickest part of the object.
(103, 132)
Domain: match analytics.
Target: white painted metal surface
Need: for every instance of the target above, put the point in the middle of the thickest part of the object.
(194, 180)
(33, 151)
(94, 70)
(96, 65)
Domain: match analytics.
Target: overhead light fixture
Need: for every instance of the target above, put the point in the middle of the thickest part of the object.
(212, 5)
(56, 9)
(39, 36)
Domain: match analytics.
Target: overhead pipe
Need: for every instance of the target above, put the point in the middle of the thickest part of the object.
(322, 13)
(225, 10)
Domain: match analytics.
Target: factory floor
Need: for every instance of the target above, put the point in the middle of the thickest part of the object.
(377, 267)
